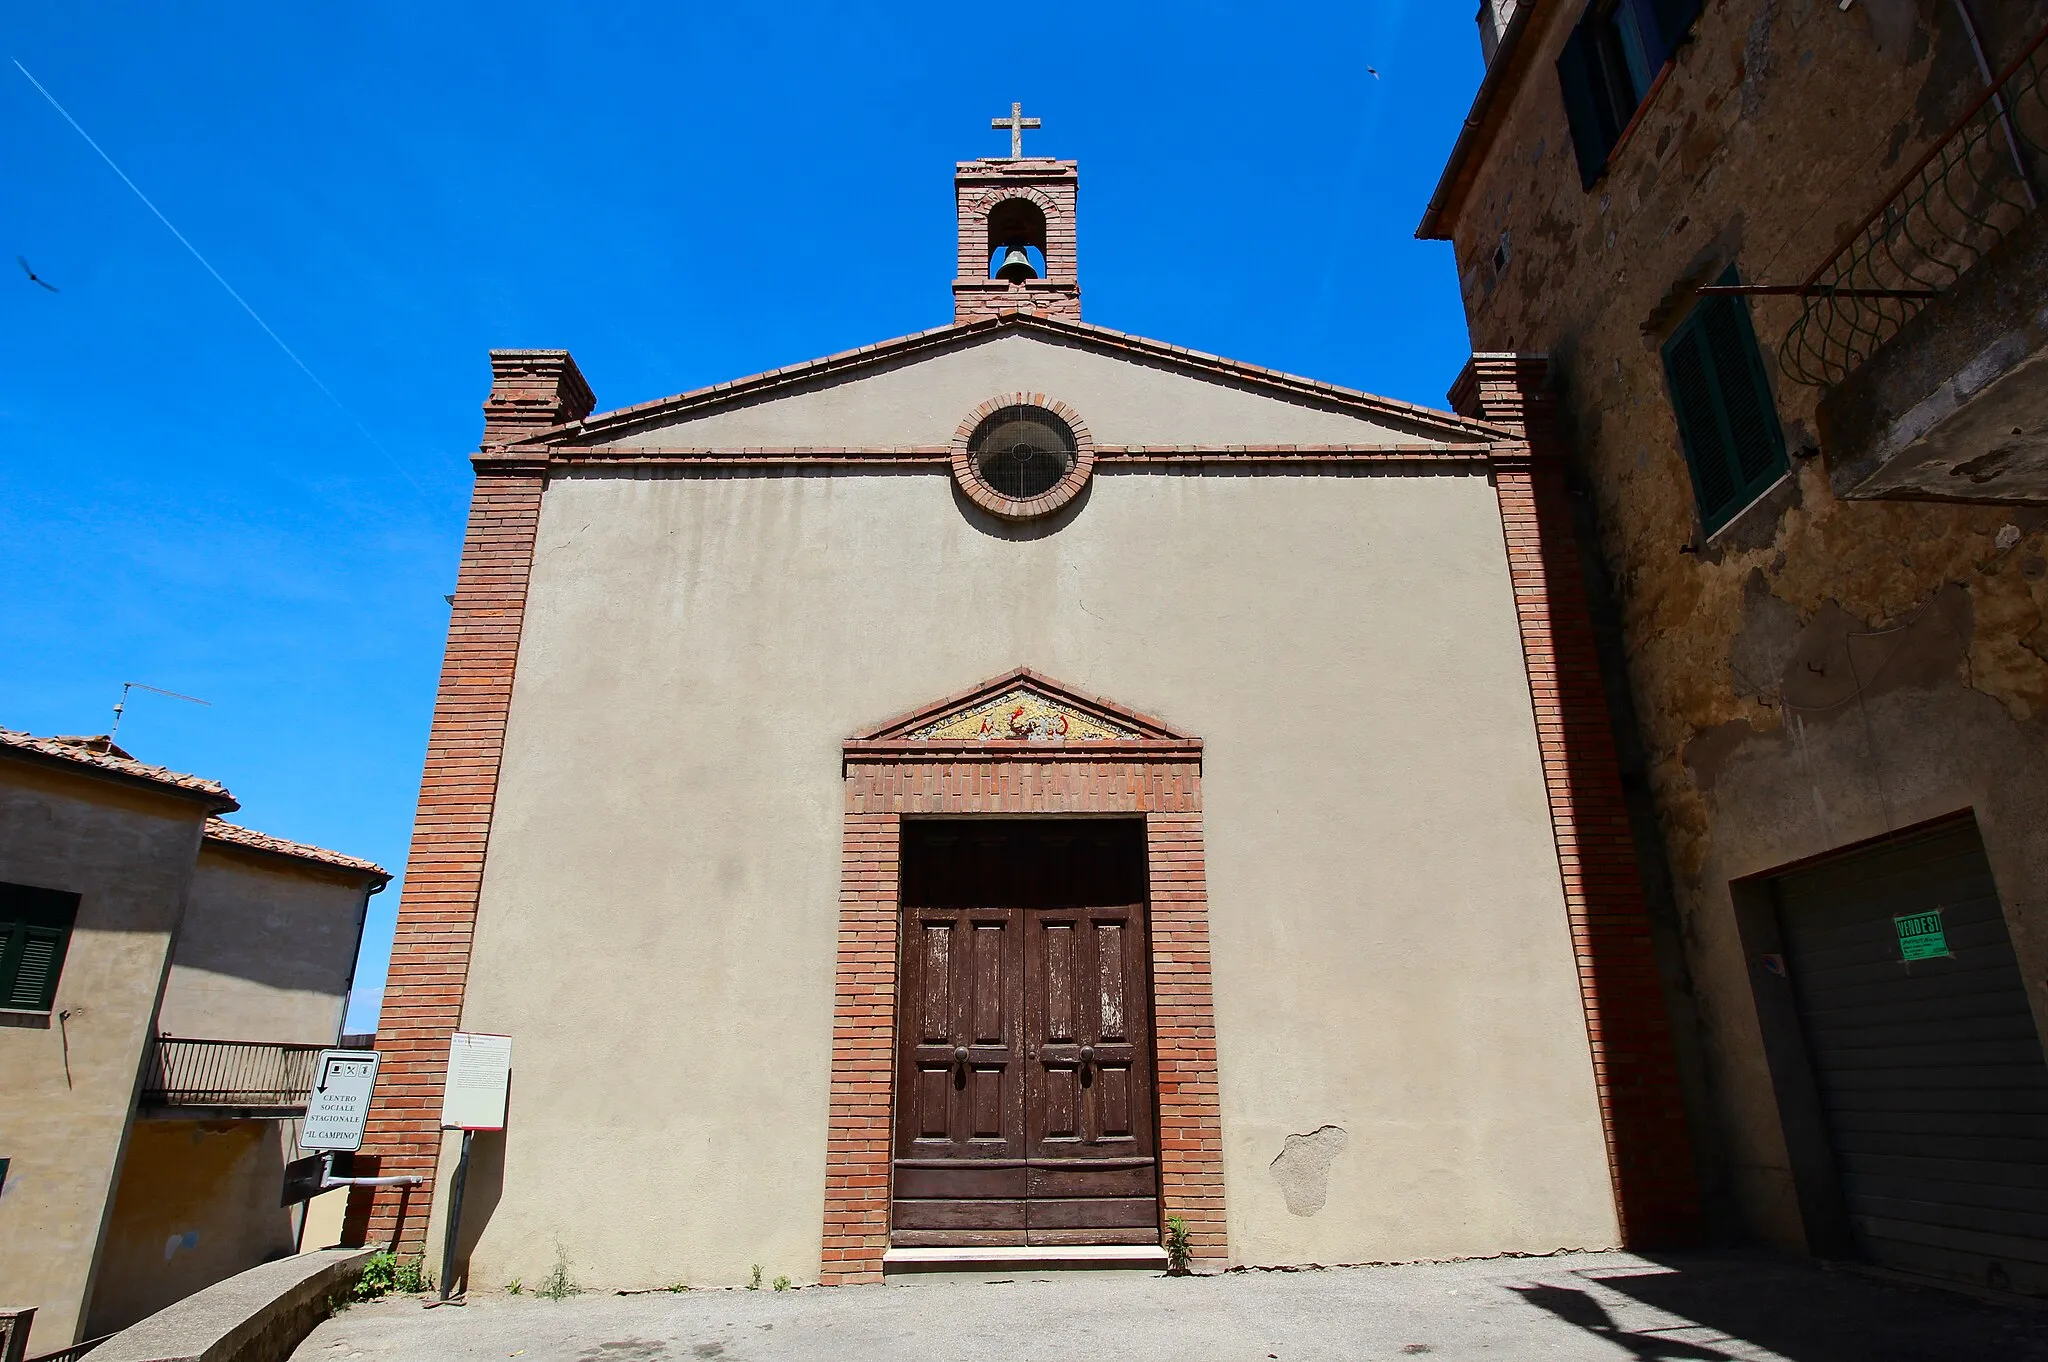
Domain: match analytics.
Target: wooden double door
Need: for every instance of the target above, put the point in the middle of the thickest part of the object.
(1024, 1089)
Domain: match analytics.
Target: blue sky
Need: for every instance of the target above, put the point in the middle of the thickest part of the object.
(678, 194)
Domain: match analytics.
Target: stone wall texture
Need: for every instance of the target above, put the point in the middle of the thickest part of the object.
(1822, 670)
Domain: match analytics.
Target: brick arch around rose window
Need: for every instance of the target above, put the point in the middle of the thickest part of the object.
(1156, 773)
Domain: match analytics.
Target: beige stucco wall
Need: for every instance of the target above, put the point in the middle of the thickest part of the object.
(69, 1089)
(922, 401)
(267, 950)
(659, 910)
(197, 1204)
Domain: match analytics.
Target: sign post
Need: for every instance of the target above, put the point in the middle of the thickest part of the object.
(336, 1110)
(473, 1099)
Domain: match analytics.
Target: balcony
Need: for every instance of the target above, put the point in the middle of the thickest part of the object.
(226, 1078)
(1926, 328)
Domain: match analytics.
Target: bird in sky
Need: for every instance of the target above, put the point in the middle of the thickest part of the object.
(33, 277)
(1373, 72)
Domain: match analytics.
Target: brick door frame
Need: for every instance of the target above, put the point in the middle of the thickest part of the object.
(888, 777)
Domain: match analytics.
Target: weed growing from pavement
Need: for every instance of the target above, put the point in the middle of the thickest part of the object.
(386, 1272)
(782, 1283)
(755, 1283)
(515, 1287)
(677, 1287)
(378, 1270)
(558, 1284)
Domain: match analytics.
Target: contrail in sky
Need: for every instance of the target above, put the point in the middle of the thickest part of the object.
(172, 227)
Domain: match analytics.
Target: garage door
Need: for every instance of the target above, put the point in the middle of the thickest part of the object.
(1928, 1064)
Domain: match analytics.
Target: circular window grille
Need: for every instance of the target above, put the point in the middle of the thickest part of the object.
(1022, 452)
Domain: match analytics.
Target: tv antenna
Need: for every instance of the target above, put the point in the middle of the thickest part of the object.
(127, 686)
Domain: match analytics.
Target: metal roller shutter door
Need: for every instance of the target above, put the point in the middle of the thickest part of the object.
(1930, 1073)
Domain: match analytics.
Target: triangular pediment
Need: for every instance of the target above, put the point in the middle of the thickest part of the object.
(912, 393)
(1023, 706)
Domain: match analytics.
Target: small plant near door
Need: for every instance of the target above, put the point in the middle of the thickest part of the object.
(1180, 1247)
(515, 1287)
(754, 1283)
(782, 1283)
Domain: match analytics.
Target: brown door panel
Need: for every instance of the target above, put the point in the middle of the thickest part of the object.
(962, 1181)
(903, 1238)
(1101, 1234)
(1109, 1182)
(1094, 1213)
(997, 1214)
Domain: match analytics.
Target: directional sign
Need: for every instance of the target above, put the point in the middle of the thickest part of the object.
(340, 1100)
(479, 1079)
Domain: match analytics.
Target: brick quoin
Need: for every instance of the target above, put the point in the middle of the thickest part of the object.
(531, 390)
(1635, 1065)
(887, 780)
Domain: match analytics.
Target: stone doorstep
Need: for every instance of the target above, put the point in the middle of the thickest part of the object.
(957, 1264)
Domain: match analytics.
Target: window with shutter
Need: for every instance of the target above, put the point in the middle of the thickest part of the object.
(1727, 422)
(35, 932)
(1608, 66)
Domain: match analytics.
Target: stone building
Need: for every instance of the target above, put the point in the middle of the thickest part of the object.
(166, 979)
(1786, 261)
(969, 798)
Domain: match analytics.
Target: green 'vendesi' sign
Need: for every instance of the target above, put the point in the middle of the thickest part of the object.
(1920, 936)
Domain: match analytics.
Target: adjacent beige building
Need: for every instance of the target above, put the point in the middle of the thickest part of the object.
(166, 976)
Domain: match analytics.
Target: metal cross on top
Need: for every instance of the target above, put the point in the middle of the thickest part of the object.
(1016, 123)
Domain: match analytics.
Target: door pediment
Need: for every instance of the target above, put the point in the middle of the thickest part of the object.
(1021, 707)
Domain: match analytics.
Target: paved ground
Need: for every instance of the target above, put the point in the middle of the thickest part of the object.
(1603, 1307)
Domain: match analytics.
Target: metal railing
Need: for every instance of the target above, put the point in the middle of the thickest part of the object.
(72, 1353)
(239, 1074)
(1976, 184)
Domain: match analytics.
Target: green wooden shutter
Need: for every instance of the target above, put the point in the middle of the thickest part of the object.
(35, 933)
(1674, 20)
(1578, 72)
(1726, 419)
(1755, 440)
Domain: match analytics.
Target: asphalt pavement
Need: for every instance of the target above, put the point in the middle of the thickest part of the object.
(1599, 1307)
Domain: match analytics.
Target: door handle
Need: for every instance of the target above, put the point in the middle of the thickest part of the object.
(960, 1059)
(1087, 1060)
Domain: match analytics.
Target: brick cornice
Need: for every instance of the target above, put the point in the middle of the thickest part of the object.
(1454, 428)
(941, 456)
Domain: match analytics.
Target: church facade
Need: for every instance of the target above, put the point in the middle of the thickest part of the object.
(974, 797)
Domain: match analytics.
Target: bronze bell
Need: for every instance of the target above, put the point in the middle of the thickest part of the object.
(1016, 266)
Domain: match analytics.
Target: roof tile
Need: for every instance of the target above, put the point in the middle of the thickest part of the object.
(233, 834)
(102, 755)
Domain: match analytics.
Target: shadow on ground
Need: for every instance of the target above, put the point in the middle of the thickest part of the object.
(1726, 1307)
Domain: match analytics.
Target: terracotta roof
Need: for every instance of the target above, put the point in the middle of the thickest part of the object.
(235, 835)
(100, 755)
(953, 332)
(1513, 60)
